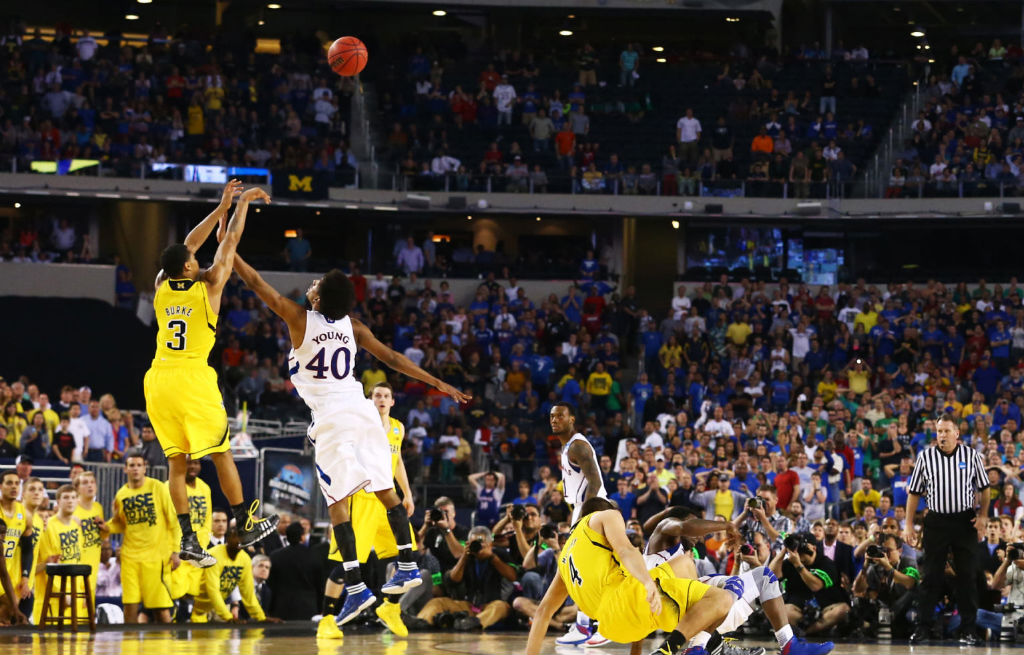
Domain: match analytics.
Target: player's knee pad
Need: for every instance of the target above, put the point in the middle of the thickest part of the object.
(767, 583)
(337, 575)
(735, 585)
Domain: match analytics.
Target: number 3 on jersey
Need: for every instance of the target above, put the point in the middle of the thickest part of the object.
(319, 366)
(178, 328)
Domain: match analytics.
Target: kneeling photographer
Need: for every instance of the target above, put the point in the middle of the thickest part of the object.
(814, 597)
(885, 584)
(518, 531)
(441, 535)
(1011, 574)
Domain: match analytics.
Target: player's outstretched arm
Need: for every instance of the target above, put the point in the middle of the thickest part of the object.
(401, 363)
(291, 312)
(200, 233)
(552, 600)
(217, 275)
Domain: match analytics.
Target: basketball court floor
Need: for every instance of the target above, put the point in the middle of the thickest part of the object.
(298, 639)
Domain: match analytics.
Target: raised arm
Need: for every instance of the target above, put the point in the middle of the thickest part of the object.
(401, 363)
(217, 275)
(200, 233)
(292, 314)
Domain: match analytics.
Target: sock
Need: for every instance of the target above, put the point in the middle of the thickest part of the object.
(673, 642)
(583, 621)
(331, 606)
(346, 538)
(241, 514)
(398, 519)
(714, 644)
(392, 598)
(701, 639)
(783, 635)
(186, 525)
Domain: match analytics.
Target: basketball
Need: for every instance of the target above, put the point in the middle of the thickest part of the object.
(347, 56)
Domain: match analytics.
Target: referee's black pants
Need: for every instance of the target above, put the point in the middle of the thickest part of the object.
(944, 533)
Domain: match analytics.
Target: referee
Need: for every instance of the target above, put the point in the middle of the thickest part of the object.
(950, 475)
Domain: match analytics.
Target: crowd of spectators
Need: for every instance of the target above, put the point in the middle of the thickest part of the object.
(968, 138)
(531, 124)
(179, 98)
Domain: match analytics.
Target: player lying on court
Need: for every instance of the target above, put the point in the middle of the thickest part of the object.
(670, 543)
(607, 578)
(183, 400)
(351, 448)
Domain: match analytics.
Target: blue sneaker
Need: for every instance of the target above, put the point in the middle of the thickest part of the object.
(402, 581)
(354, 604)
(797, 646)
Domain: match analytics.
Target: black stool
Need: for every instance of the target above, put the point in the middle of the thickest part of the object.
(68, 574)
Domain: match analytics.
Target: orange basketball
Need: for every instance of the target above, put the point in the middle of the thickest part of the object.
(347, 56)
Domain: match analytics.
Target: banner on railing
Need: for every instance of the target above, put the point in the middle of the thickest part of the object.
(304, 184)
(289, 482)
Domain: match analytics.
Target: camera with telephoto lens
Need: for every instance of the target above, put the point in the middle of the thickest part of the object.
(874, 551)
(518, 512)
(799, 542)
(549, 531)
(435, 515)
(475, 546)
(747, 549)
(755, 503)
(1015, 550)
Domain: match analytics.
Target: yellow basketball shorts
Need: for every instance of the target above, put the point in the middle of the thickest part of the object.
(146, 582)
(625, 616)
(186, 579)
(373, 532)
(186, 409)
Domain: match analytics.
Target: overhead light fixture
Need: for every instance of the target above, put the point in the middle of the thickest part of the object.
(440, 12)
(565, 32)
(131, 17)
(661, 60)
(917, 33)
(675, 225)
(290, 234)
(469, 218)
(927, 47)
(261, 22)
(572, 16)
(144, 2)
(273, 5)
(732, 19)
(931, 61)
(385, 208)
(17, 205)
(257, 210)
(318, 212)
(538, 218)
(658, 48)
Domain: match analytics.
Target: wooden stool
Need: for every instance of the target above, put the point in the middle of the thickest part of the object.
(69, 574)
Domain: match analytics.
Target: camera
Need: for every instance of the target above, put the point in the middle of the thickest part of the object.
(518, 512)
(1015, 550)
(874, 551)
(755, 503)
(548, 531)
(747, 550)
(435, 515)
(799, 542)
(475, 546)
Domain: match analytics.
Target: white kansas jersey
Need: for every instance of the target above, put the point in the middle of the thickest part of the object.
(323, 367)
(574, 483)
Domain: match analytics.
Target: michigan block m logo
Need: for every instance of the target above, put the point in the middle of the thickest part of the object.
(304, 183)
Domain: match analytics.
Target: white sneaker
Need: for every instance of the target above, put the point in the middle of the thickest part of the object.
(597, 640)
(575, 637)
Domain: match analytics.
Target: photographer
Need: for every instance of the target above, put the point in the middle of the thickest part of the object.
(541, 567)
(886, 582)
(811, 583)
(761, 516)
(475, 585)
(441, 535)
(1011, 574)
(521, 524)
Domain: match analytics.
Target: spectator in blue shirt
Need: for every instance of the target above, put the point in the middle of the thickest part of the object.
(589, 267)
(999, 341)
(524, 497)
(101, 436)
(986, 378)
(743, 480)
(781, 392)
(624, 498)
(629, 61)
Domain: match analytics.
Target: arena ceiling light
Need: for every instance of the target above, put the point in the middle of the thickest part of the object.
(658, 48)
(440, 12)
(661, 60)
(675, 225)
(732, 19)
(273, 5)
(131, 17)
(144, 2)
(917, 33)
(565, 32)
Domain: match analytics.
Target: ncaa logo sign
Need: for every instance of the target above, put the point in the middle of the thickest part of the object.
(962, 465)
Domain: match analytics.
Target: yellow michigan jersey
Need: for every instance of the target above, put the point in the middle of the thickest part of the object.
(369, 517)
(604, 590)
(147, 519)
(183, 400)
(221, 579)
(63, 540)
(17, 525)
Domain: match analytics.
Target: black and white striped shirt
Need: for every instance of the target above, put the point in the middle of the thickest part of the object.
(948, 482)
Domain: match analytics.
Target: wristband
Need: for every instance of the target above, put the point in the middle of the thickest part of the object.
(437, 578)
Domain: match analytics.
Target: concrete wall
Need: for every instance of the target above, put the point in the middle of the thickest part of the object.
(57, 281)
